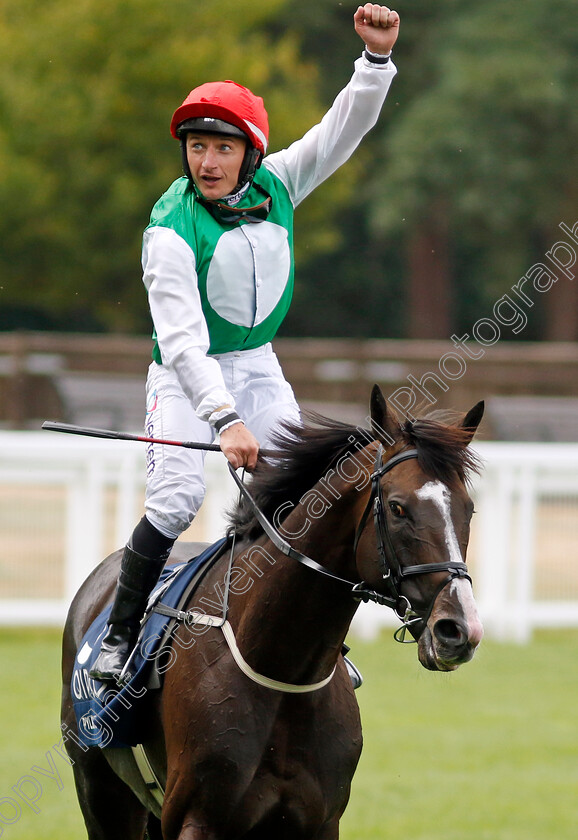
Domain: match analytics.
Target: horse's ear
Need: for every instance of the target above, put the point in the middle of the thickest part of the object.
(384, 423)
(473, 418)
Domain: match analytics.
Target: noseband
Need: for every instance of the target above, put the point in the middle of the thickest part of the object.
(392, 572)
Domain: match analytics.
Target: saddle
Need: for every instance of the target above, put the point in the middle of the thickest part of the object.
(109, 716)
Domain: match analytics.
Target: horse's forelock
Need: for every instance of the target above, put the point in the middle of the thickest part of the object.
(443, 450)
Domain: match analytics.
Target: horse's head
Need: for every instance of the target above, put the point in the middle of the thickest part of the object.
(419, 514)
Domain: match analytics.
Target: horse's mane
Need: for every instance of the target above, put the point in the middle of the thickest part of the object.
(302, 453)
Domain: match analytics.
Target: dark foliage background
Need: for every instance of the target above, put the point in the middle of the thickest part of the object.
(452, 197)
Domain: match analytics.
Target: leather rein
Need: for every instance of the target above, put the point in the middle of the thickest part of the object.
(392, 572)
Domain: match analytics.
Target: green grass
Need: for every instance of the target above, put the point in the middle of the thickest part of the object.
(30, 727)
(487, 753)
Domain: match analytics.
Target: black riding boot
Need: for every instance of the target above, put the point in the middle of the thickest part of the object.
(138, 575)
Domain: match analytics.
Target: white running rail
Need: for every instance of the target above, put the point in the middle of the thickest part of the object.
(66, 502)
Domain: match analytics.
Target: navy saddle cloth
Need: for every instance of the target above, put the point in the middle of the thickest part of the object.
(107, 716)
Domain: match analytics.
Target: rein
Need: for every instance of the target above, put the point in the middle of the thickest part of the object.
(393, 573)
(280, 543)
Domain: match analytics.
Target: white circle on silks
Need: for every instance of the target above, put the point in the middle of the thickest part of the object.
(248, 273)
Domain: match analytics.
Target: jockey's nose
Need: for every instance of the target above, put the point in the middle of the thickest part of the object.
(210, 159)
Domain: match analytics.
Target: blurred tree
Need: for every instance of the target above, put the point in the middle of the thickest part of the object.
(352, 288)
(479, 159)
(456, 192)
(86, 96)
(467, 173)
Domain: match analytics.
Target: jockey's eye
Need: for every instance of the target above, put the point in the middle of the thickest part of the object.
(397, 510)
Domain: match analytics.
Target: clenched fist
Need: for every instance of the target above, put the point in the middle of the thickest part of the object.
(377, 26)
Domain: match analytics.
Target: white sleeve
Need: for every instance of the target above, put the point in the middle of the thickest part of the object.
(170, 277)
(326, 146)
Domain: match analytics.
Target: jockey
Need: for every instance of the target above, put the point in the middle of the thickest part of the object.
(218, 267)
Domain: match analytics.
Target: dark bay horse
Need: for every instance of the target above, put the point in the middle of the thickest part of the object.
(258, 736)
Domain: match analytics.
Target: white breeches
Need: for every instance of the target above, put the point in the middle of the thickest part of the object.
(175, 476)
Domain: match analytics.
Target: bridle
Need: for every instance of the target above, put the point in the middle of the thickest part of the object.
(392, 572)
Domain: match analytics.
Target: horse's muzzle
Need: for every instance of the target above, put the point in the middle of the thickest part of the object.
(448, 644)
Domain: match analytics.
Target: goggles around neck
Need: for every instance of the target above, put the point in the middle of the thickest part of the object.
(228, 215)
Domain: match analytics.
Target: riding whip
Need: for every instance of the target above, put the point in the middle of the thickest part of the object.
(51, 426)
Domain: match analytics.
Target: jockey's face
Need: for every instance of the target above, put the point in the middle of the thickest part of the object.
(215, 161)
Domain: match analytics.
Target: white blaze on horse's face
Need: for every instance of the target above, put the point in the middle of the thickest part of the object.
(458, 592)
(441, 497)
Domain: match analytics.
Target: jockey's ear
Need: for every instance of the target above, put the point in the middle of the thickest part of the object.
(384, 422)
(473, 418)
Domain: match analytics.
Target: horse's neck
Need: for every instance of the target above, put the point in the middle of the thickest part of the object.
(291, 620)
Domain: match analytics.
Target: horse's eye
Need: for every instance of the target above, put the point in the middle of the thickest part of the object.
(397, 509)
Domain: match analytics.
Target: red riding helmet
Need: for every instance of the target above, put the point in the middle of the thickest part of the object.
(225, 108)
(231, 103)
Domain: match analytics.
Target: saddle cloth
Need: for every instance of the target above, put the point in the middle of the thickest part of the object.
(107, 716)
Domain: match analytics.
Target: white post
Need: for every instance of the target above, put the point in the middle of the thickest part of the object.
(521, 619)
(495, 512)
(85, 523)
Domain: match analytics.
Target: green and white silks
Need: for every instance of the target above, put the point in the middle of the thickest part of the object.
(244, 270)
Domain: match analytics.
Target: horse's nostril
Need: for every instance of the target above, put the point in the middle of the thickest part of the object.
(450, 633)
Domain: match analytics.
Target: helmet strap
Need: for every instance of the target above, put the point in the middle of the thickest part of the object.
(251, 162)
(185, 160)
